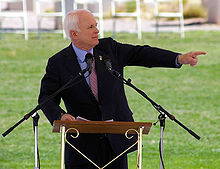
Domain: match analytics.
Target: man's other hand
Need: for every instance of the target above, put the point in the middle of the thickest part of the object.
(190, 58)
(67, 117)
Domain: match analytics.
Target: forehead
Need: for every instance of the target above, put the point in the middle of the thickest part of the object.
(86, 19)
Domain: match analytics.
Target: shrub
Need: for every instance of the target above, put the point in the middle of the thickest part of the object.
(194, 11)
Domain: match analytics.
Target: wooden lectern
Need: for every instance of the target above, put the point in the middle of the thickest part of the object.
(98, 127)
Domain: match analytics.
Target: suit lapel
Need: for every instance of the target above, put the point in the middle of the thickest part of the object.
(101, 73)
(105, 87)
(72, 64)
(105, 81)
(104, 78)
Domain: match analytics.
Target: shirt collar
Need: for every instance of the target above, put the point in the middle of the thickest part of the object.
(81, 53)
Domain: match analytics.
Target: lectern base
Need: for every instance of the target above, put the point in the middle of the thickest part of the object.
(102, 127)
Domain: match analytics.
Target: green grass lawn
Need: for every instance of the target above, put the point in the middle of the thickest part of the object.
(192, 94)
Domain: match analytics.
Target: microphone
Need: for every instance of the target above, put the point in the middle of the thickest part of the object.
(108, 63)
(89, 60)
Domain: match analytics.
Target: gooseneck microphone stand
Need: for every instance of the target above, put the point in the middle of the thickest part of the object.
(161, 118)
(70, 83)
(36, 117)
(73, 81)
(163, 113)
(159, 108)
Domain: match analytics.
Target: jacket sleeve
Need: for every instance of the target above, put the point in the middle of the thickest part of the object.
(50, 84)
(136, 55)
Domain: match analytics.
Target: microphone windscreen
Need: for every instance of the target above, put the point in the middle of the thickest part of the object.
(89, 60)
(107, 62)
(88, 57)
(105, 57)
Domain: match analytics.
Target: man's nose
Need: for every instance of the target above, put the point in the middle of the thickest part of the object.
(96, 29)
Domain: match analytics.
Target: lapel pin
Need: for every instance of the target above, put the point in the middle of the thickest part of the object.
(100, 58)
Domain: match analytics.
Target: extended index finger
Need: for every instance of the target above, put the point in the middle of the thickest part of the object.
(199, 53)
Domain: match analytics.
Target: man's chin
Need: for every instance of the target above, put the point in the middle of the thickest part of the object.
(94, 44)
(97, 42)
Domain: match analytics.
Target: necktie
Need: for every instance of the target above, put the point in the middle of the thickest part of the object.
(93, 81)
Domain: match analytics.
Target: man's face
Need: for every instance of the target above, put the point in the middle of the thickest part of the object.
(87, 37)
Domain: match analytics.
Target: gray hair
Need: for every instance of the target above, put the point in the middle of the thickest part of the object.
(71, 21)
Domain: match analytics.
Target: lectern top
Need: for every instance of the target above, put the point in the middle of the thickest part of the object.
(113, 127)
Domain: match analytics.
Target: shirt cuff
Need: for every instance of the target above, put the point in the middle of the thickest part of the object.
(59, 118)
(177, 62)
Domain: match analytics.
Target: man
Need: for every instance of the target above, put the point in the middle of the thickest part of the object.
(107, 101)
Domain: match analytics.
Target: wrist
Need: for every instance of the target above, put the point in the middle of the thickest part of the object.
(59, 118)
(178, 59)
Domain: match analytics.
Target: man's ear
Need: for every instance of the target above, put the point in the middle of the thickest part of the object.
(73, 34)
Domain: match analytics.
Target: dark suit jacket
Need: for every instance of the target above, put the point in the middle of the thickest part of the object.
(79, 100)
